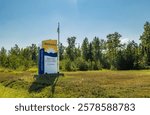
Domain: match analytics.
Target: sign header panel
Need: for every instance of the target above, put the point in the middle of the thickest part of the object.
(50, 45)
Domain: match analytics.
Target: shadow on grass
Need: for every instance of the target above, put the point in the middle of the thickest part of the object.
(14, 83)
(42, 82)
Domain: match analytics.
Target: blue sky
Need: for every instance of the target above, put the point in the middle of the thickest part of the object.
(24, 22)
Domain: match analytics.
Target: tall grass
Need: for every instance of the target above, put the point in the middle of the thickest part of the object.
(94, 84)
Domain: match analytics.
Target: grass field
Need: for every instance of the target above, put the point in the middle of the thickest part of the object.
(89, 84)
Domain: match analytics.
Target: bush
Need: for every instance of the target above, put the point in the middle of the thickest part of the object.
(82, 64)
(97, 66)
(70, 66)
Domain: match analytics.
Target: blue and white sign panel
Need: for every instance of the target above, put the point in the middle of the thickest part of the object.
(48, 61)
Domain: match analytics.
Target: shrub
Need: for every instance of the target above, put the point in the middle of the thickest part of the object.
(97, 66)
(70, 66)
(82, 64)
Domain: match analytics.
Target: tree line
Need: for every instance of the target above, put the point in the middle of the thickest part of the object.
(94, 55)
(19, 58)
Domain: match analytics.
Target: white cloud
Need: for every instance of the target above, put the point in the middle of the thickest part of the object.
(124, 40)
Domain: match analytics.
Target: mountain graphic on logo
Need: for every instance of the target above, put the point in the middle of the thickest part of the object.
(50, 52)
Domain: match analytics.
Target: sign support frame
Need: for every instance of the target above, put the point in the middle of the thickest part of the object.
(58, 31)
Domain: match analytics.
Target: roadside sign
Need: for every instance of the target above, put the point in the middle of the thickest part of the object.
(48, 55)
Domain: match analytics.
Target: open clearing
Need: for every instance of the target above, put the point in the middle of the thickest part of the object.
(88, 84)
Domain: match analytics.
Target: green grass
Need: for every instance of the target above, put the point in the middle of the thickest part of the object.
(88, 84)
